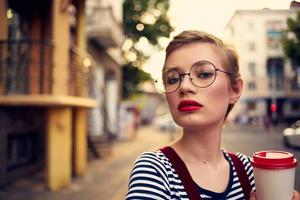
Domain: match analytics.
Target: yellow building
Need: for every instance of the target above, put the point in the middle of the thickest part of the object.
(44, 94)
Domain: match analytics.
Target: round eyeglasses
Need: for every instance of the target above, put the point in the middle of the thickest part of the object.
(202, 74)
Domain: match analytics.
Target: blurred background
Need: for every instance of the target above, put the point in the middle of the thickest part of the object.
(78, 101)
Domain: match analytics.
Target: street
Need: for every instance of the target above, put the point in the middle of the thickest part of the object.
(107, 178)
(251, 139)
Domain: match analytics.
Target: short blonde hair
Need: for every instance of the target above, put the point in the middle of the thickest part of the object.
(230, 57)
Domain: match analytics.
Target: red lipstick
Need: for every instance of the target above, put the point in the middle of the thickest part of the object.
(189, 105)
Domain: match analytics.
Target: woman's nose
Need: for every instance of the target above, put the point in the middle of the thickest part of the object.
(186, 83)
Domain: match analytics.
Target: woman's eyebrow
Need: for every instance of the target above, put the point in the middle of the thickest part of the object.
(165, 69)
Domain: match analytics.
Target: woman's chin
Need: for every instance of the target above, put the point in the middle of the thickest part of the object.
(189, 124)
(196, 124)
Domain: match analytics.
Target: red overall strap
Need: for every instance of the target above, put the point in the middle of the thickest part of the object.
(189, 184)
(183, 173)
(242, 174)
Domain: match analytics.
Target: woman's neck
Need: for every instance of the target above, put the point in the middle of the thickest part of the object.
(200, 145)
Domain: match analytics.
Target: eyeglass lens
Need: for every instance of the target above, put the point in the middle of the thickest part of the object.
(202, 74)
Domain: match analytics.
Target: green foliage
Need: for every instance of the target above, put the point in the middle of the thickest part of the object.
(291, 40)
(147, 19)
(151, 14)
(132, 76)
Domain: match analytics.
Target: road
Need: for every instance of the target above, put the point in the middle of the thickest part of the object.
(251, 139)
(107, 178)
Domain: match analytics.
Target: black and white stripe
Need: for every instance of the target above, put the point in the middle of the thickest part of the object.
(153, 177)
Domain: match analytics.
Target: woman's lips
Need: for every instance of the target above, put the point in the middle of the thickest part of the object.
(189, 105)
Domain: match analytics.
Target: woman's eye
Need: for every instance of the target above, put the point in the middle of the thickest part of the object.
(172, 80)
(204, 74)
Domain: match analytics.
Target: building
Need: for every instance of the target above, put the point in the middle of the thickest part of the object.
(105, 38)
(270, 87)
(44, 90)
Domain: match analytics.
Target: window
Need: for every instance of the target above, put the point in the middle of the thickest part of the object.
(274, 34)
(251, 105)
(276, 84)
(275, 73)
(296, 80)
(251, 68)
(252, 85)
(251, 46)
(251, 26)
(295, 106)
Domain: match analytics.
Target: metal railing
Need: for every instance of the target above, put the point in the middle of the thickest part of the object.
(25, 67)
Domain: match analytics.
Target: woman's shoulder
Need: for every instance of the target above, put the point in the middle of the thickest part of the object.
(153, 158)
(243, 157)
(149, 177)
(246, 160)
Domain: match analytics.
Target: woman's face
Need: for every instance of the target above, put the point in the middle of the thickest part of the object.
(191, 106)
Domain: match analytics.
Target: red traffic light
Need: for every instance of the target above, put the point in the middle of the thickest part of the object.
(273, 107)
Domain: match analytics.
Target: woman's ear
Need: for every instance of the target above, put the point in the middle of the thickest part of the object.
(236, 91)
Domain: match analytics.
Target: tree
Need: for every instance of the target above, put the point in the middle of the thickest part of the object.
(144, 21)
(291, 46)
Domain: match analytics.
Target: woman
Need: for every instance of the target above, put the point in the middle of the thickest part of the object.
(202, 83)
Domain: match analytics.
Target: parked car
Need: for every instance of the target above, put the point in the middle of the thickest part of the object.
(291, 135)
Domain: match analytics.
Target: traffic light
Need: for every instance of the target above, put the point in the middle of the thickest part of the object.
(273, 107)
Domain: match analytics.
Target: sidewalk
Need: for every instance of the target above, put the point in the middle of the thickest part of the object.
(105, 179)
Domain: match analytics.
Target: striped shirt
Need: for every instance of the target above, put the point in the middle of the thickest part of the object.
(153, 177)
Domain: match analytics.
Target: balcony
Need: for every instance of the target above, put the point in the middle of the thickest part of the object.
(103, 27)
(283, 87)
(25, 67)
(276, 84)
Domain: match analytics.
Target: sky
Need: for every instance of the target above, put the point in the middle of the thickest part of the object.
(212, 15)
(206, 15)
